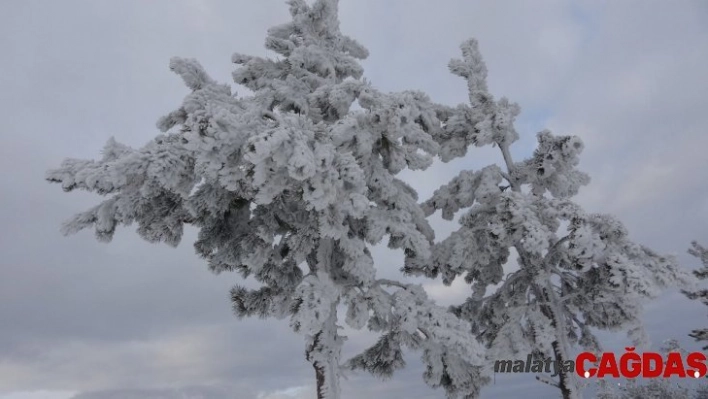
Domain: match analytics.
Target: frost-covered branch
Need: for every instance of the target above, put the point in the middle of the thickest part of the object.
(701, 273)
(391, 283)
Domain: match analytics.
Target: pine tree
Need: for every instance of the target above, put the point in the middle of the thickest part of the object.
(701, 253)
(655, 389)
(292, 186)
(701, 392)
(575, 271)
(661, 388)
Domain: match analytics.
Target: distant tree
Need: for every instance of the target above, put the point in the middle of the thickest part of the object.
(660, 388)
(291, 186)
(575, 271)
(701, 392)
(701, 253)
(605, 390)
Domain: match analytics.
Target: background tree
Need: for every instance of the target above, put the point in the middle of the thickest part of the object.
(701, 392)
(701, 253)
(575, 271)
(658, 388)
(290, 186)
(655, 389)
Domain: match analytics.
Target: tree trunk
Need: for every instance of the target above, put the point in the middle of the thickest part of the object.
(323, 351)
(546, 296)
(548, 303)
(567, 386)
(320, 377)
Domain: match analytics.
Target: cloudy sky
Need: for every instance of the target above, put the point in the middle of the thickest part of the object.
(85, 320)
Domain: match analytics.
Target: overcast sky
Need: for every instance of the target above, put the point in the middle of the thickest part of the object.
(130, 319)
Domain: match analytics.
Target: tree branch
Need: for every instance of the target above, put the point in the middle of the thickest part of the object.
(392, 283)
(554, 249)
(504, 147)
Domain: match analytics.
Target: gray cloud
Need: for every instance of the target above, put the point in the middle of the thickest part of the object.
(77, 315)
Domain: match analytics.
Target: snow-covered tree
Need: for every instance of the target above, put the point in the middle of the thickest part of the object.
(291, 186)
(575, 271)
(701, 392)
(701, 253)
(658, 388)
